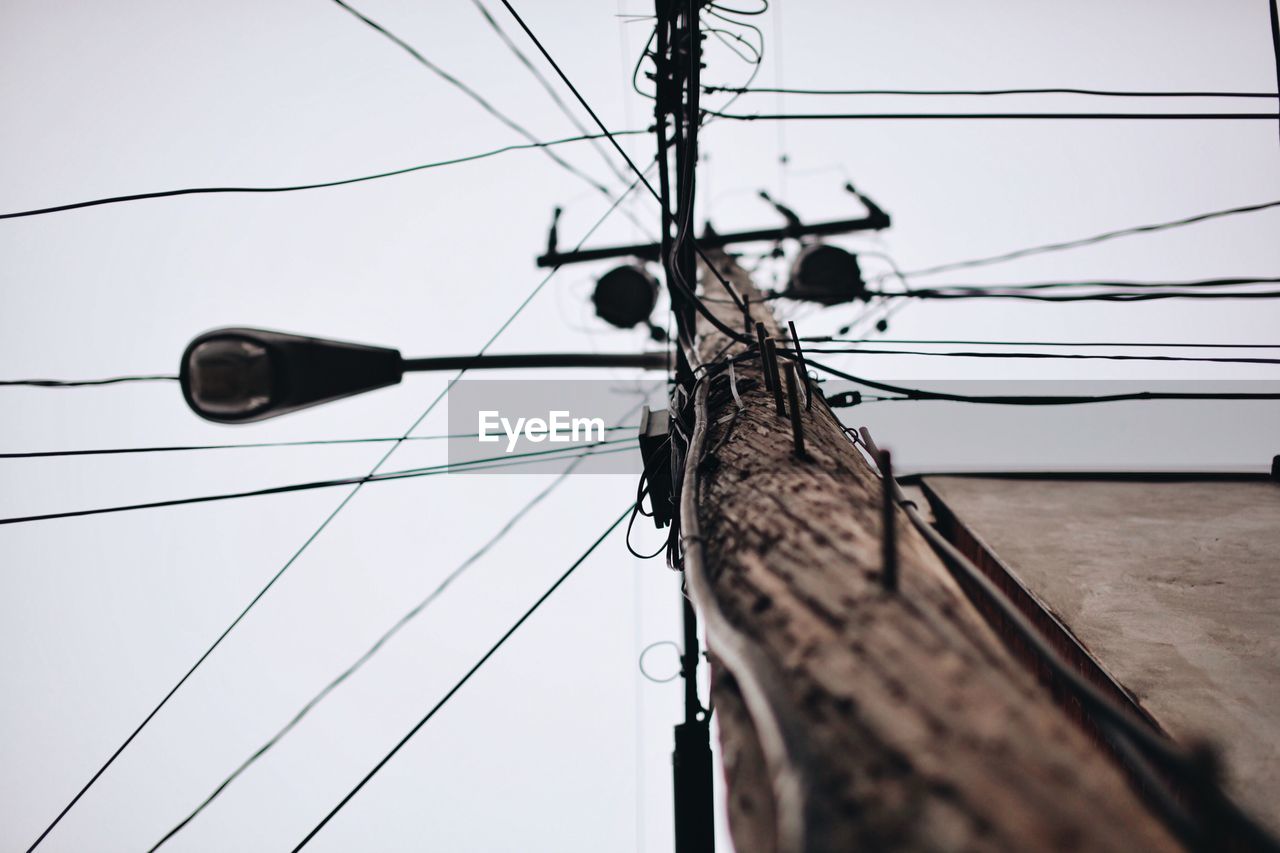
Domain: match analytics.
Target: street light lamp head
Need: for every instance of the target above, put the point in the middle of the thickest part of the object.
(625, 296)
(240, 375)
(826, 274)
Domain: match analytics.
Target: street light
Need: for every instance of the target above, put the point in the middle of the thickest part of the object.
(240, 375)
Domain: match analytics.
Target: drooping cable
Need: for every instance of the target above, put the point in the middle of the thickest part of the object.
(1237, 281)
(1045, 116)
(83, 383)
(486, 464)
(473, 95)
(547, 87)
(119, 199)
(937, 342)
(316, 533)
(1275, 36)
(463, 680)
(1091, 240)
(1042, 355)
(1103, 93)
(1039, 399)
(1114, 296)
(180, 448)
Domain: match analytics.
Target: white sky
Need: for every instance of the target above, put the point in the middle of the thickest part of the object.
(558, 744)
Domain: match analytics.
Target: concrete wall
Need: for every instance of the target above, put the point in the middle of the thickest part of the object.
(1172, 586)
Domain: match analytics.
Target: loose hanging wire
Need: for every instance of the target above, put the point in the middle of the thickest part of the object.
(120, 199)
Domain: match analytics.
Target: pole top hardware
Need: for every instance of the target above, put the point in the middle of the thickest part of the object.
(874, 220)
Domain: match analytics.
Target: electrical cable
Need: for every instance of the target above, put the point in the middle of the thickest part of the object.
(77, 205)
(547, 87)
(651, 647)
(81, 383)
(465, 678)
(1105, 93)
(486, 464)
(475, 96)
(1051, 355)
(1035, 400)
(1275, 36)
(1132, 285)
(702, 309)
(1246, 116)
(382, 640)
(1096, 238)
(316, 533)
(176, 448)
(914, 341)
(1140, 296)
(724, 35)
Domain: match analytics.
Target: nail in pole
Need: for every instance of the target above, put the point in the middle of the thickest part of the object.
(804, 368)
(889, 527)
(771, 369)
(764, 356)
(793, 404)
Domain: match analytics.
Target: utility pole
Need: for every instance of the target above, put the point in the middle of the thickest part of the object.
(863, 703)
(678, 58)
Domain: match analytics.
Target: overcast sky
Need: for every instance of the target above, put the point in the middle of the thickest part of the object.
(558, 744)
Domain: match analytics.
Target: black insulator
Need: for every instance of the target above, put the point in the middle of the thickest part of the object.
(625, 296)
(826, 274)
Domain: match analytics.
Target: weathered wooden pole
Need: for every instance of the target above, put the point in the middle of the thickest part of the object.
(856, 714)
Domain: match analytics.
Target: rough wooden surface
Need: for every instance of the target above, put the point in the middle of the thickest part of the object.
(930, 735)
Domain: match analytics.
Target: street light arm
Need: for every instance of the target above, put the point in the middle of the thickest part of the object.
(644, 360)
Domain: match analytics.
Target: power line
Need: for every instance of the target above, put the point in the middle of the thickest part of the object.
(581, 100)
(1140, 296)
(914, 341)
(486, 464)
(1051, 355)
(313, 186)
(1247, 116)
(547, 87)
(1275, 36)
(316, 533)
(1132, 285)
(465, 678)
(1104, 93)
(474, 95)
(1096, 238)
(1040, 400)
(382, 640)
(702, 309)
(81, 383)
(177, 448)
